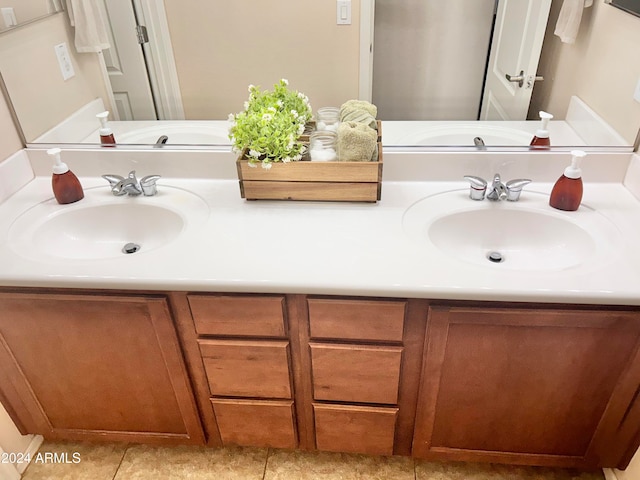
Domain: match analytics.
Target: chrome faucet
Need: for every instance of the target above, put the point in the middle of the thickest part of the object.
(131, 186)
(479, 142)
(162, 139)
(497, 190)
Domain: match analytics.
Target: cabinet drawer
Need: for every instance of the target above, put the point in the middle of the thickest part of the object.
(354, 373)
(356, 319)
(355, 429)
(247, 368)
(259, 423)
(236, 315)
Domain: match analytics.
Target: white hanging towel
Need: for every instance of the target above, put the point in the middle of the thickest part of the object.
(90, 28)
(569, 19)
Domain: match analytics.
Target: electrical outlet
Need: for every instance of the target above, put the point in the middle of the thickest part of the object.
(64, 60)
(636, 94)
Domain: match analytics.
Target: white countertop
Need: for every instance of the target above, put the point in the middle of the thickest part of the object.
(328, 248)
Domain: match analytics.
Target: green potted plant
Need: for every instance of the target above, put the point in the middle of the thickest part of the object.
(269, 127)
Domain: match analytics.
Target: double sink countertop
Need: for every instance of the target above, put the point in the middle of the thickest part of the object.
(198, 234)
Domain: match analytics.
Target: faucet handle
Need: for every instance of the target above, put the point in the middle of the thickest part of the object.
(148, 185)
(514, 188)
(478, 187)
(112, 179)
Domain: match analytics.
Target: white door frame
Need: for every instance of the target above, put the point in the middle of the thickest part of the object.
(367, 19)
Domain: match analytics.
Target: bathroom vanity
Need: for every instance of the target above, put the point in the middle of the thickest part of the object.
(330, 326)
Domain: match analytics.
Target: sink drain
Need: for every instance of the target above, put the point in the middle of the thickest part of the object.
(131, 248)
(495, 257)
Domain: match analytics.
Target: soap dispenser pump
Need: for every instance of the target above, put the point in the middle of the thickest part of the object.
(567, 192)
(541, 139)
(107, 139)
(66, 186)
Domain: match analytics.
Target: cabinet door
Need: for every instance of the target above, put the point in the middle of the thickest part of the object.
(523, 386)
(95, 367)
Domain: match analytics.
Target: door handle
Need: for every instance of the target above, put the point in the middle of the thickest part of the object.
(531, 79)
(519, 79)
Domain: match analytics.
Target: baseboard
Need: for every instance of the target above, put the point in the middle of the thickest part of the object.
(609, 474)
(32, 449)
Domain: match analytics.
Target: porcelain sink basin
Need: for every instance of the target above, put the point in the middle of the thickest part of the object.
(188, 134)
(102, 226)
(464, 134)
(527, 235)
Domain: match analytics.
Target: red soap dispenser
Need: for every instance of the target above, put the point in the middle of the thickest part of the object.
(107, 139)
(541, 139)
(567, 192)
(66, 186)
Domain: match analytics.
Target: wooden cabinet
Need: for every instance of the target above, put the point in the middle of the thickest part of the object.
(469, 381)
(244, 352)
(93, 366)
(537, 386)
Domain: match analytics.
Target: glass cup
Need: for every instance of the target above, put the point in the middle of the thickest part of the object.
(327, 119)
(322, 146)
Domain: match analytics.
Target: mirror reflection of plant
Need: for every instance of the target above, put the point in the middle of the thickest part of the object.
(271, 124)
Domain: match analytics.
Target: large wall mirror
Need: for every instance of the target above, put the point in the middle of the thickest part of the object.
(441, 73)
(17, 13)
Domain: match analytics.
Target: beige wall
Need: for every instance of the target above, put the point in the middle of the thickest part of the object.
(223, 46)
(30, 70)
(609, 39)
(11, 142)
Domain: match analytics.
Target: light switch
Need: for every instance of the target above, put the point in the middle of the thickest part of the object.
(64, 60)
(9, 17)
(344, 12)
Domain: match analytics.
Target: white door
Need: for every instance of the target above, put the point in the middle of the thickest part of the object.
(515, 52)
(126, 66)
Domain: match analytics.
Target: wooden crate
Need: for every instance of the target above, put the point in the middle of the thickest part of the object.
(316, 181)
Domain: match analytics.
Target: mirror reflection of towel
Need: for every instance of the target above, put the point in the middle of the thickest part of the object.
(89, 24)
(569, 19)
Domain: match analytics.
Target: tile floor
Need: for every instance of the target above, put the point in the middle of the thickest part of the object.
(143, 462)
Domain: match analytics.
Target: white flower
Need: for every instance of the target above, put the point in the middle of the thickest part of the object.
(295, 114)
(279, 103)
(267, 117)
(272, 109)
(286, 159)
(297, 157)
(266, 165)
(251, 87)
(246, 105)
(254, 153)
(301, 95)
(231, 118)
(285, 81)
(300, 129)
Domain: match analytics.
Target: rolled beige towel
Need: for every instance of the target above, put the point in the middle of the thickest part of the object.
(356, 142)
(360, 105)
(359, 111)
